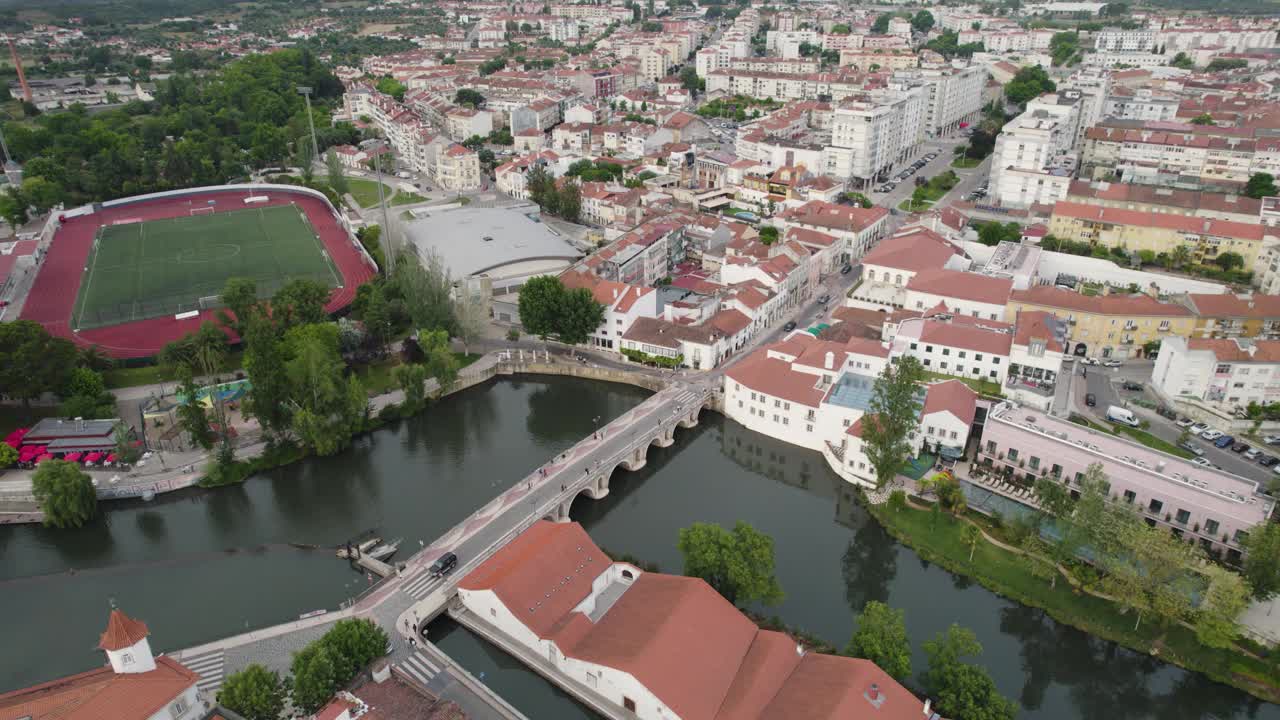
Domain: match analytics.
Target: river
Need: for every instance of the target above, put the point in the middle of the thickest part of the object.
(201, 565)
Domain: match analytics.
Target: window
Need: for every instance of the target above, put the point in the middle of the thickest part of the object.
(1013, 453)
(1210, 527)
(808, 428)
(846, 422)
(961, 354)
(995, 361)
(786, 421)
(127, 658)
(946, 351)
(1155, 506)
(953, 434)
(740, 404)
(1182, 517)
(753, 396)
(178, 708)
(991, 446)
(786, 406)
(1129, 496)
(992, 373)
(777, 403)
(1239, 537)
(628, 704)
(960, 368)
(1035, 463)
(925, 362)
(1056, 470)
(943, 366)
(928, 348)
(914, 345)
(977, 356)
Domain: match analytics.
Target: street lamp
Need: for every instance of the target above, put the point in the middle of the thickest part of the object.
(382, 202)
(305, 91)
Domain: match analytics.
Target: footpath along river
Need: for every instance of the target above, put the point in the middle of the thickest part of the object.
(201, 565)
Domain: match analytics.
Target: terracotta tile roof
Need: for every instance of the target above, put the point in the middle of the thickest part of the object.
(101, 693)
(962, 285)
(966, 337)
(810, 237)
(1153, 195)
(828, 686)
(1229, 350)
(951, 396)
(771, 658)
(866, 346)
(730, 322)
(916, 250)
(1123, 305)
(122, 631)
(1227, 305)
(836, 217)
(1142, 218)
(1039, 325)
(774, 377)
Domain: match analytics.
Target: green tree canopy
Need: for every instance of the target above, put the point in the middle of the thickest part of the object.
(922, 21)
(881, 25)
(64, 494)
(32, 362)
(254, 693)
(8, 455)
(1217, 619)
(1182, 60)
(881, 637)
(892, 416)
(548, 309)
(962, 690)
(1030, 82)
(468, 96)
(1202, 119)
(1261, 185)
(1229, 260)
(739, 564)
(1262, 560)
(299, 302)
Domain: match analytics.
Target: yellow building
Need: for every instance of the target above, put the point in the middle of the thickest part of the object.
(1107, 326)
(1138, 230)
(1232, 316)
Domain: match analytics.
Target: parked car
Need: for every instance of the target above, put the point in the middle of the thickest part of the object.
(1268, 461)
(1252, 453)
(1191, 448)
(1198, 428)
(1201, 461)
(846, 269)
(1091, 361)
(1272, 439)
(1131, 385)
(1111, 363)
(1224, 442)
(1211, 434)
(1090, 399)
(1239, 447)
(791, 325)
(1185, 422)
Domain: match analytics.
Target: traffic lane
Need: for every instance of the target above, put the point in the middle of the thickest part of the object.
(1103, 383)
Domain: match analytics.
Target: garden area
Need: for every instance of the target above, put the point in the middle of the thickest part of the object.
(929, 192)
(738, 107)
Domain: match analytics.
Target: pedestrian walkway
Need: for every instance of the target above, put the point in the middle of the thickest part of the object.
(418, 583)
(419, 667)
(209, 667)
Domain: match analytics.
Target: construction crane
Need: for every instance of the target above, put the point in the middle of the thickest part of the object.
(17, 63)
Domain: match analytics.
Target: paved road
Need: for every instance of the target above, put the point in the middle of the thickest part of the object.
(969, 179)
(1105, 384)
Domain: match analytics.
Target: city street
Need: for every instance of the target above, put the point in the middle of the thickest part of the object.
(1105, 384)
(969, 178)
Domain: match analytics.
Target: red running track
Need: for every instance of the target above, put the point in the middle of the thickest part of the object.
(53, 295)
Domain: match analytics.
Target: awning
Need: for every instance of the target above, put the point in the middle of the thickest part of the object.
(43, 457)
(28, 452)
(111, 457)
(14, 439)
(951, 453)
(67, 445)
(71, 457)
(92, 457)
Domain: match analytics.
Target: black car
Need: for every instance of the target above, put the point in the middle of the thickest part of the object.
(846, 269)
(1091, 400)
(1268, 461)
(824, 299)
(443, 565)
(1131, 385)
(791, 325)
(1239, 448)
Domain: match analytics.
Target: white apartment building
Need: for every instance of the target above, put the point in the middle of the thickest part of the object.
(1035, 358)
(1223, 374)
(1117, 40)
(458, 168)
(955, 345)
(871, 133)
(959, 292)
(1032, 163)
(952, 95)
(1141, 104)
(1091, 86)
(623, 305)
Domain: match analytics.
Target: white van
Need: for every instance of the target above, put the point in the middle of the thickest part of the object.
(1120, 415)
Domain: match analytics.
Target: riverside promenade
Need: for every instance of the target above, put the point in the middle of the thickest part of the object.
(404, 602)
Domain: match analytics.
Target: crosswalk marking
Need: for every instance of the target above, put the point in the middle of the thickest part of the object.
(419, 586)
(209, 667)
(420, 668)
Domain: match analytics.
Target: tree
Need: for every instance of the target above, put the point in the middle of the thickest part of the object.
(540, 301)
(1202, 119)
(438, 359)
(841, 29)
(1229, 260)
(1030, 82)
(881, 25)
(240, 297)
(1217, 619)
(326, 408)
(570, 201)
(315, 677)
(13, 207)
(64, 494)
(1219, 64)
(1179, 256)
(377, 318)
(412, 381)
(1262, 560)
(1153, 574)
(768, 234)
(1182, 60)
(254, 693)
(579, 317)
(468, 96)
(690, 81)
(993, 233)
(191, 414)
(264, 361)
(738, 564)
(8, 455)
(891, 417)
(391, 86)
(300, 301)
(881, 637)
(970, 535)
(922, 22)
(427, 289)
(337, 180)
(472, 316)
(962, 690)
(32, 362)
(1261, 185)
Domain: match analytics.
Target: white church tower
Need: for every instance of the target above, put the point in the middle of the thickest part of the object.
(126, 644)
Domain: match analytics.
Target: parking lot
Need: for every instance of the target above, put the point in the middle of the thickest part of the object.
(1107, 387)
(891, 193)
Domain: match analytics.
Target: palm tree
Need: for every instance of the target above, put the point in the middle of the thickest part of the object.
(969, 535)
(1180, 256)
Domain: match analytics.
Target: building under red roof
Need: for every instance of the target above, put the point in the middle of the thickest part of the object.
(962, 285)
(916, 250)
(954, 397)
(122, 632)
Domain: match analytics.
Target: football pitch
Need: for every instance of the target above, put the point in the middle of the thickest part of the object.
(153, 268)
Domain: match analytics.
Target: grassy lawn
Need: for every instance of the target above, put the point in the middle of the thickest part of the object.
(910, 205)
(365, 192)
(983, 387)
(966, 163)
(13, 417)
(1010, 575)
(1153, 442)
(121, 377)
(405, 198)
(379, 377)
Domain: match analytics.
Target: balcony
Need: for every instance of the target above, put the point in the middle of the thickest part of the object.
(836, 450)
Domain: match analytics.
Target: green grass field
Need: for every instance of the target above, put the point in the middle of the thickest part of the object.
(163, 267)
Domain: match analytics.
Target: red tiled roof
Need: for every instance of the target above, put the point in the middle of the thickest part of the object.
(122, 631)
(1228, 350)
(962, 285)
(774, 377)
(730, 322)
(951, 396)
(917, 250)
(1126, 305)
(1037, 325)
(1142, 218)
(1227, 305)
(101, 693)
(965, 337)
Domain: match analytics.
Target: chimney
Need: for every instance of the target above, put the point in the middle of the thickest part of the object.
(927, 703)
(829, 362)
